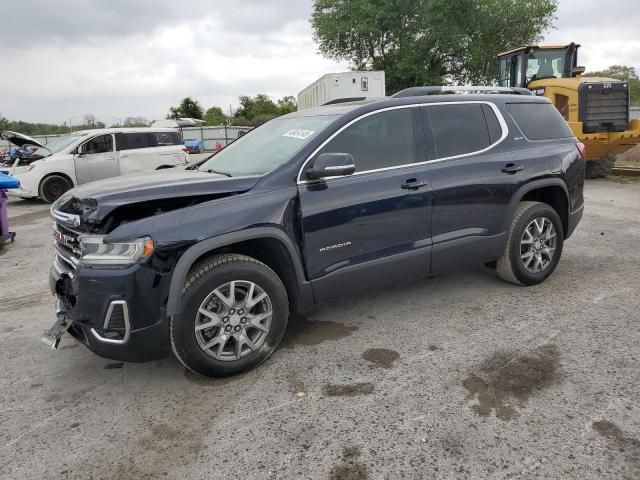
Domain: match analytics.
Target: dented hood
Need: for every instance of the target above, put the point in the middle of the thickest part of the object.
(94, 201)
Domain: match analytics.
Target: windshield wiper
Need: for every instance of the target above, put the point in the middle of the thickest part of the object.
(226, 174)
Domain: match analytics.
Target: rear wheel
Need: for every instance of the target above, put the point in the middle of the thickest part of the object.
(534, 246)
(53, 186)
(600, 168)
(234, 314)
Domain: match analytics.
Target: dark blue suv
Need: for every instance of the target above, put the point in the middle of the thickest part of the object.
(210, 260)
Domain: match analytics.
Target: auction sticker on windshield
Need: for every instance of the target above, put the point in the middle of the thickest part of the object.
(298, 133)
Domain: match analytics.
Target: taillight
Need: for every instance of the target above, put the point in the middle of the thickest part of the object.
(580, 146)
(185, 149)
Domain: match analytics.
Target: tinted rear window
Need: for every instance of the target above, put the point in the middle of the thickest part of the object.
(459, 129)
(129, 141)
(166, 138)
(539, 121)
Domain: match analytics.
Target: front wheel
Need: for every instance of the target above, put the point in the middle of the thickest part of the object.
(234, 314)
(534, 246)
(53, 186)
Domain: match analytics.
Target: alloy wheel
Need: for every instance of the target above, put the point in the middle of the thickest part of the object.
(233, 320)
(538, 245)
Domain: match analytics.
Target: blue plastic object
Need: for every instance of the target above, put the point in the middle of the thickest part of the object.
(7, 182)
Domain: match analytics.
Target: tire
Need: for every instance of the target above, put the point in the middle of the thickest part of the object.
(222, 274)
(600, 168)
(519, 263)
(53, 186)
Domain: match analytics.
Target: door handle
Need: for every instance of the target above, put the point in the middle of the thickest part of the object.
(512, 168)
(413, 184)
(111, 158)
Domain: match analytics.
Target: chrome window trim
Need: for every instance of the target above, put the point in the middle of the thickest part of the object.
(65, 218)
(107, 318)
(496, 110)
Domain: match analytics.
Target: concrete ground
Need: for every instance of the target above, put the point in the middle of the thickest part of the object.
(461, 376)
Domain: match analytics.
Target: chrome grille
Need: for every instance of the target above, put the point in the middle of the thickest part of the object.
(67, 250)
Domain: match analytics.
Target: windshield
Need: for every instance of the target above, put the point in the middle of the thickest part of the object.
(268, 146)
(546, 64)
(62, 142)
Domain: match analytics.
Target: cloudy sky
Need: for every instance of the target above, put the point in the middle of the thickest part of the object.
(118, 58)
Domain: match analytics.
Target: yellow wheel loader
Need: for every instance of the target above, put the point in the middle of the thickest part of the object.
(596, 109)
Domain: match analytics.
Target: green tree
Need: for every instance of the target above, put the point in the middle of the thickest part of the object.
(4, 123)
(427, 42)
(624, 73)
(287, 104)
(256, 110)
(215, 116)
(188, 108)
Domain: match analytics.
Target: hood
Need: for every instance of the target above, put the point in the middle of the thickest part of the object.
(132, 197)
(20, 140)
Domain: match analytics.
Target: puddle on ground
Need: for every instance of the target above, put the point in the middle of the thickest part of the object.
(112, 366)
(629, 447)
(347, 389)
(609, 430)
(506, 380)
(381, 357)
(301, 331)
(350, 468)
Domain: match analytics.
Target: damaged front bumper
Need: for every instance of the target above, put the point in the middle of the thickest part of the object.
(116, 313)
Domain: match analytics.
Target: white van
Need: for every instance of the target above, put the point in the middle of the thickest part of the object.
(89, 155)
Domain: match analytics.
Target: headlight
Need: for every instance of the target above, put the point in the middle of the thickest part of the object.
(94, 252)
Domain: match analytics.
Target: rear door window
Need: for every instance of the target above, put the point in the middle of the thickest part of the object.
(539, 121)
(460, 129)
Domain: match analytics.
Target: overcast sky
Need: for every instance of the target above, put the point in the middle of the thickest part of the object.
(119, 58)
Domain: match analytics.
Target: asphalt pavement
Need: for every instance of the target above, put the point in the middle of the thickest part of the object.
(460, 376)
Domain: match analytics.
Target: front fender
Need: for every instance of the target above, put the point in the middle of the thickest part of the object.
(194, 252)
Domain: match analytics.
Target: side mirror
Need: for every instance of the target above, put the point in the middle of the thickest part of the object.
(331, 165)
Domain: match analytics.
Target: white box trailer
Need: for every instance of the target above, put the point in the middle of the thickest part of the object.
(356, 85)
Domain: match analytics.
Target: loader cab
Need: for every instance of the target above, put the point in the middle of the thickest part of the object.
(520, 67)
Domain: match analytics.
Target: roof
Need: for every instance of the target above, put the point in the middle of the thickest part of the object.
(122, 130)
(537, 47)
(380, 103)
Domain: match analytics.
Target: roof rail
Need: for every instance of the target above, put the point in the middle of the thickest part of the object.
(343, 100)
(443, 90)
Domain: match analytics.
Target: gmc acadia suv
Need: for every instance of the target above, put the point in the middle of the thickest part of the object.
(209, 260)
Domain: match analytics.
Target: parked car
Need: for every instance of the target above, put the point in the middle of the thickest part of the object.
(89, 155)
(209, 260)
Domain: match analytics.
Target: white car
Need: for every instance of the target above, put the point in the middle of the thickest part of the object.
(89, 155)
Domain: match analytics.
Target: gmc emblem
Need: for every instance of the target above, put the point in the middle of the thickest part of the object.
(63, 239)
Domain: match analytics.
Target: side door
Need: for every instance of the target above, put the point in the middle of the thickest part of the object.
(96, 159)
(371, 227)
(135, 152)
(472, 182)
(167, 147)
